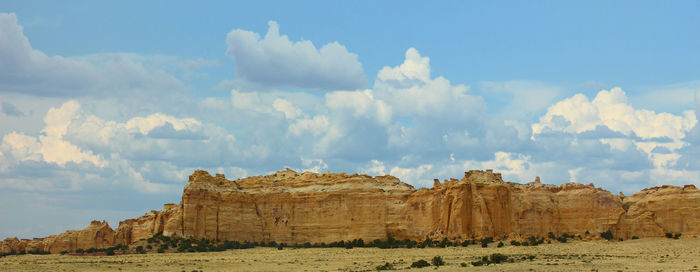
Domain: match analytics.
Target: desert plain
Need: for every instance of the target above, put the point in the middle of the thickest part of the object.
(646, 254)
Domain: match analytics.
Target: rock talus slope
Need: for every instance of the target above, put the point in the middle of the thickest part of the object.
(293, 207)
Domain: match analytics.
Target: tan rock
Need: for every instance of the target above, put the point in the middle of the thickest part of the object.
(292, 207)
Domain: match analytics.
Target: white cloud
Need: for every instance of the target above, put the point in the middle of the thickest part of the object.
(409, 90)
(414, 69)
(375, 168)
(417, 176)
(317, 125)
(610, 109)
(21, 147)
(360, 104)
(290, 111)
(277, 61)
(115, 152)
(573, 174)
(51, 146)
(31, 71)
(313, 165)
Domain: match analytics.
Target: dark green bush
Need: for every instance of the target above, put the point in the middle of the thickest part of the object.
(497, 258)
(500, 244)
(386, 266)
(420, 263)
(478, 263)
(437, 261)
(607, 235)
(515, 243)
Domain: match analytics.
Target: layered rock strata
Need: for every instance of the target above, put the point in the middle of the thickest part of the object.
(293, 207)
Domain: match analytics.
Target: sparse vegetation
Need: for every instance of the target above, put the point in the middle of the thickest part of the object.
(673, 236)
(420, 264)
(607, 235)
(386, 266)
(437, 261)
(495, 258)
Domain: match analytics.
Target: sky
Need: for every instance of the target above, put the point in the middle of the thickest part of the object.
(106, 107)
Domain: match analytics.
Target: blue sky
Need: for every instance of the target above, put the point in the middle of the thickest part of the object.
(107, 107)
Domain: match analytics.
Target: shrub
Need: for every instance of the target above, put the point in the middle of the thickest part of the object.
(533, 241)
(676, 236)
(386, 266)
(437, 261)
(607, 235)
(420, 263)
(109, 252)
(463, 264)
(669, 235)
(500, 244)
(80, 251)
(515, 243)
(635, 237)
(561, 239)
(478, 263)
(497, 258)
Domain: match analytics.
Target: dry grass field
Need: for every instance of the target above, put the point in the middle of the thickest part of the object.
(654, 254)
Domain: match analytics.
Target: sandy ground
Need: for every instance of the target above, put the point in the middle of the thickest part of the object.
(657, 254)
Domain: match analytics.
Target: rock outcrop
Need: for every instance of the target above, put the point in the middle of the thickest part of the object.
(293, 207)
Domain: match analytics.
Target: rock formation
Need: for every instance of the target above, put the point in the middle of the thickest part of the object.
(293, 207)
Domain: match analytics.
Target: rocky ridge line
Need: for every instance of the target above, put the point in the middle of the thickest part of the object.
(293, 207)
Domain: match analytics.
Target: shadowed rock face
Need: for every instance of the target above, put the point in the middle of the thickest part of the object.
(293, 207)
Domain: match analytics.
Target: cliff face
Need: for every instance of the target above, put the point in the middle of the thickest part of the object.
(293, 207)
(660, 210)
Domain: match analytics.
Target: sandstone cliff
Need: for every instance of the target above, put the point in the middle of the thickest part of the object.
(293, 207)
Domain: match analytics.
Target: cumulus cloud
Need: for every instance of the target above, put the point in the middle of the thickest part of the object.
(84, 148)
(315, 126)
(168, 131)
(290, 111)
(30, 71)
(610, 109)
(51, 145)
(360, 104)
(413, 92)
(276, 61)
